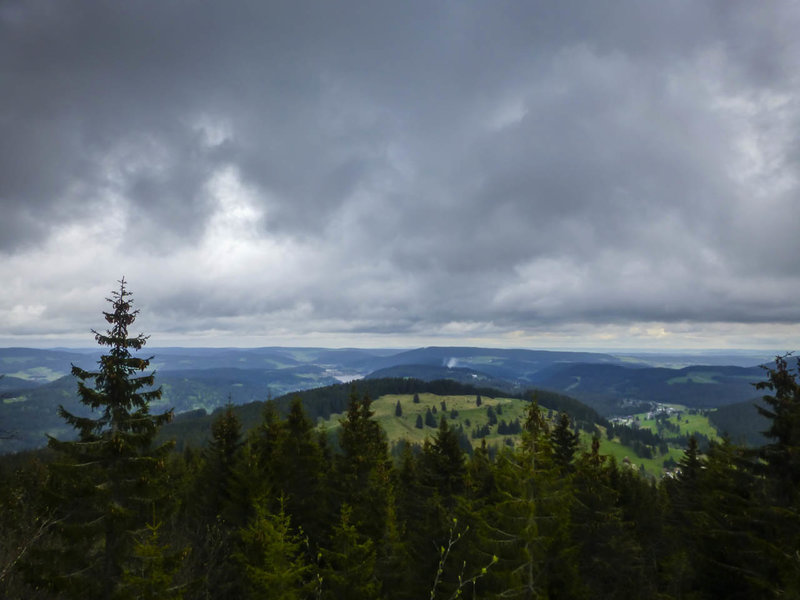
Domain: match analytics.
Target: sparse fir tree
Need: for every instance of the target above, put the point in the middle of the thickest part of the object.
(398, 410)
(491, 415)
(430, 420)
(416, 398)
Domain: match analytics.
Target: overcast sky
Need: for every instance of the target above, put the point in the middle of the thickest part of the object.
(394, 174)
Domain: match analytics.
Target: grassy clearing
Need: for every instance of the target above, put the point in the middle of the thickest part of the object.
(471, 416)
(697, 377)
(15, 400)
(652, 466)
(688, 424)
(37, 374)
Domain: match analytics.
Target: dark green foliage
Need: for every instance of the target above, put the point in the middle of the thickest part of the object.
(218, 507)
(528, 526)
(398, 410)
(430, 420)
(513, 428)
(782, 453)
(363, 469)
(741, 422)
(110, 478)
(297, 472)
(492, 415)
(153, 569)
(219, 485)
(564, 441)
(481, 431)
(418, 424)
(416, 398)
(350, 563)
(273, 559)
(478, 400)
(26, 520)
(289, 514)
(443, 462)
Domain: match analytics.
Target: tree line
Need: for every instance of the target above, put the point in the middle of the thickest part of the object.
(278, 511)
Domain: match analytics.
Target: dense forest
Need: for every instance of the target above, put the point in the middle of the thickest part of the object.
(281, 511)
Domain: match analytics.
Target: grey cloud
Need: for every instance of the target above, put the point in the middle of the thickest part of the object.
(443, 148)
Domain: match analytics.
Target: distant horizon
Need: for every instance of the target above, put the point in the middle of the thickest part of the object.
(596, 350)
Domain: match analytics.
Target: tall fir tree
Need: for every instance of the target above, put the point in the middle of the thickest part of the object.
(350, 563)
(273, 557)
(363, 470)
(298, 471)
(565, 443)
(782, 454)
(529, 527)
(111, 480)
(219, 508)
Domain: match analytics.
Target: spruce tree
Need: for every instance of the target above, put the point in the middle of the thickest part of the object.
(218, 509)
(443, 463)
(430, 420)
(110, 481)
(362, 470)
(152, 576)
(565, 442)
(273, 557)
(782, 454)
(491, 415)
(298, 470)
(350, 563)
(529, 525)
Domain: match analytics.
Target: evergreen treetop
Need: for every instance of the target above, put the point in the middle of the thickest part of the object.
(110, 481)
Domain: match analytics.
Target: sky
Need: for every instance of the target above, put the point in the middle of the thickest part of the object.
(531, 174)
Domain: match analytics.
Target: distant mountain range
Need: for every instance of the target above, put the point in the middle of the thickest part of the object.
(34, 382)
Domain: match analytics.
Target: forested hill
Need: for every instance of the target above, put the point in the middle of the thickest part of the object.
(609, 388)
(34, 382)
(282, 512)
(194, 427)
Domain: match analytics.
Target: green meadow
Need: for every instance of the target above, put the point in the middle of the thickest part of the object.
(469, 416)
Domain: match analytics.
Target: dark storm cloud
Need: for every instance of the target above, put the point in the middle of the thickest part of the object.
(511, 163)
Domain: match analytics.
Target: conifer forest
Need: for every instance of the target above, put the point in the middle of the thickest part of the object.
(284, 511)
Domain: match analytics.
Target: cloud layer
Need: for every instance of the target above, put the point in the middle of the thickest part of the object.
(387, 173)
